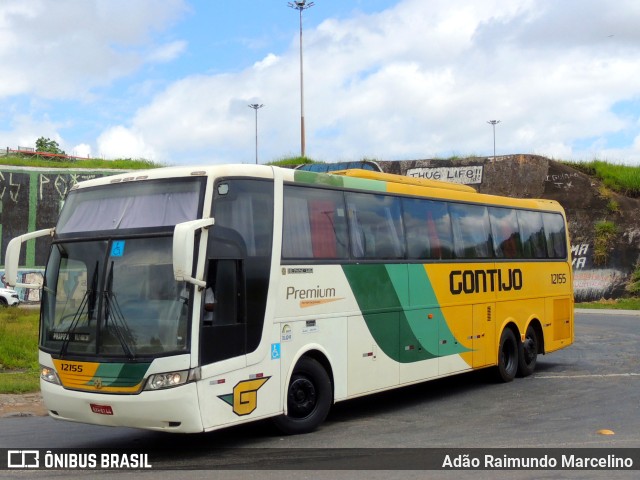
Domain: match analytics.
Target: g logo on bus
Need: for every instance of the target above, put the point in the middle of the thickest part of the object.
(244, 398)
(97, 383)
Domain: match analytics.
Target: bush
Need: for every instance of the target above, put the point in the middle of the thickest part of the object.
(634, 283)
(606, 232)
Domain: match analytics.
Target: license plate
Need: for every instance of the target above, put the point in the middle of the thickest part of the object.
(101, 409)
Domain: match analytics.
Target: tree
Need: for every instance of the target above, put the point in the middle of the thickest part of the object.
(48, 145)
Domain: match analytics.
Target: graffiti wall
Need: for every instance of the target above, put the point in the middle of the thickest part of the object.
(564, 180)
(30, 199)
(468, 175)
(591, 283)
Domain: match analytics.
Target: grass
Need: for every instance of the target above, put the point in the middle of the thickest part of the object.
(19, 371)
(291, 161)
(97, 163)
(632, 303)
(120, 164)
(623, 179)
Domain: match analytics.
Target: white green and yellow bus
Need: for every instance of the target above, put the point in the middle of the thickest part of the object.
(193, 299)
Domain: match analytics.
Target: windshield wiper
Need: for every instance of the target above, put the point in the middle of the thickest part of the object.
(87, 302)
(113, 312)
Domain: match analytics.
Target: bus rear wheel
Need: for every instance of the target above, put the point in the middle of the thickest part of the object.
(309, 397)
(528, 353)
(507, 356)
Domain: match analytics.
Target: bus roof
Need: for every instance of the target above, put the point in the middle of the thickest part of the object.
(390, 177)
(399, 184)
(351, 178)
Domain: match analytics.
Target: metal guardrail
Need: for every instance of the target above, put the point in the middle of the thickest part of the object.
(32, 152)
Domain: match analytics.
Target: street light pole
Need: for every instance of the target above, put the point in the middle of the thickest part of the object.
(301, 5)
(493, 123)
(256, 106)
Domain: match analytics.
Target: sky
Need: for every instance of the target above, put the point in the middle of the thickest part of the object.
(172, 80)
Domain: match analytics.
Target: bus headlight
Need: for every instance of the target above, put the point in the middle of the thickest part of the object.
(48, 374)
(159, 381)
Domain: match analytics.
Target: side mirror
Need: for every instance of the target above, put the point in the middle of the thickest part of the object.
(12, 258)
(183, 239)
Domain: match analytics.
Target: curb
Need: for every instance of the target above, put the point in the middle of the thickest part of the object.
(610, 311)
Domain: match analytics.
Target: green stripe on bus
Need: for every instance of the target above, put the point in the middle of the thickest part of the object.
(122, 374)
(435, 329)
(400, 325)
(339, 181)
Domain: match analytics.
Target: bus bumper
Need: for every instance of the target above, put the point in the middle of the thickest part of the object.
(170, 410)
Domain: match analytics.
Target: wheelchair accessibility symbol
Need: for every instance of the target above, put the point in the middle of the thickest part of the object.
(117, 248)
(275, 351)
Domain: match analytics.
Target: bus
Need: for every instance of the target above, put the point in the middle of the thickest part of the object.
(187, 299)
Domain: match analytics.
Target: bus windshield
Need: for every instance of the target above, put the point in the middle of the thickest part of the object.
(114, 298)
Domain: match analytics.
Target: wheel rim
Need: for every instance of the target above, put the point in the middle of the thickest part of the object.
(302, 398)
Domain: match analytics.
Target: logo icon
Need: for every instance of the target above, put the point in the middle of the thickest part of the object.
(23, 459)
(244, 398)
(286, 334)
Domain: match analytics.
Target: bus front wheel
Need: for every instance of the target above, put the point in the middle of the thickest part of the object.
(308, 398)
(507, 356)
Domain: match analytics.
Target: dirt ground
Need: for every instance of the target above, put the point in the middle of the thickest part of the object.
(23, 405)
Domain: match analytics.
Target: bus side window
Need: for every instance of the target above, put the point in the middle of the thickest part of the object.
(556, 236)
(505, 233)
(223, 297)
(428, 229)
(314, 224)
(223, 333)
(376, 226)
(534, 242)
(227, 292)
(471, 231)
